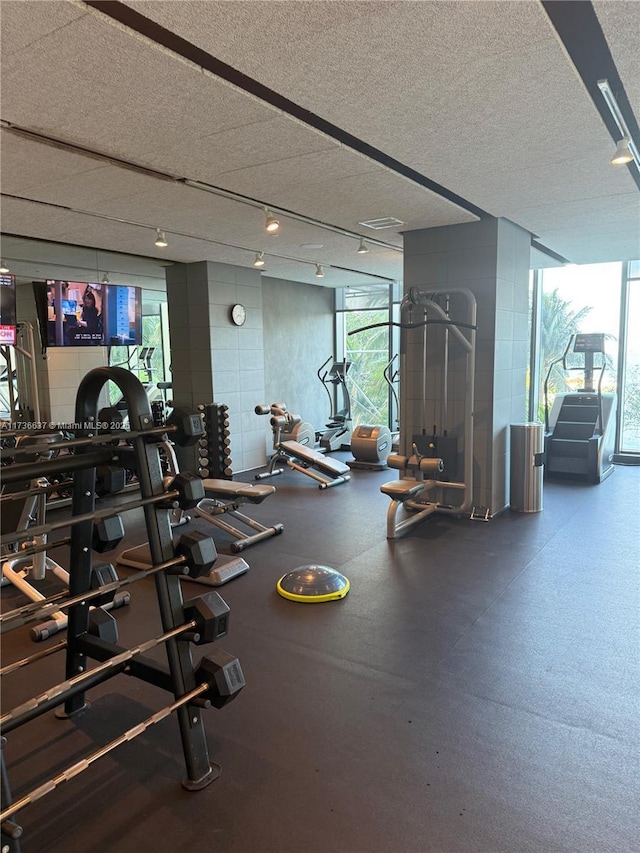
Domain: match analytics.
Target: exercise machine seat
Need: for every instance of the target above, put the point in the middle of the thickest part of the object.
(332, 467)
(402, 490)
(228, 489)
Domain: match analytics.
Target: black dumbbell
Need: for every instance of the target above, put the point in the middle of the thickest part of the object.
(107, 533)
(210, 612)
(103, 625)
(110, 419)
(187, 427)
(109, 481)
(101, 575)
(199, 551)
(190, 488)
(223, 674)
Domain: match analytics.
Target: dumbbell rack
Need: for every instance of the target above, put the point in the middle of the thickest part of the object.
(215, 446)
(221, 673)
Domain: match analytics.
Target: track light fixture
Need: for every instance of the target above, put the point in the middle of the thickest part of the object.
(106, 279)
(362, 248)
(259, 259)
(161, 240)
(319, 271)
(4, 269)
(626, 150)
(622, 155)
(271, 223)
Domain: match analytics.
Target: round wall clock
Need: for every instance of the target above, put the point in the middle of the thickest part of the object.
(238, 314)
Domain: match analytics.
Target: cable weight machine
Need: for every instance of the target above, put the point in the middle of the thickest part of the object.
(425, 486)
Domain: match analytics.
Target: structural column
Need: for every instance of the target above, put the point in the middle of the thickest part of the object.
(491, 258)
(212, 359)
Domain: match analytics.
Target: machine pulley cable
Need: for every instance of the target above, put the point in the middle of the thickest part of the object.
(419, 325)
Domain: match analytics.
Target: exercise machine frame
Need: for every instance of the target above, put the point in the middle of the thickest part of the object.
(337, 432)
(580, 426)
(414, 498)
(325, 471)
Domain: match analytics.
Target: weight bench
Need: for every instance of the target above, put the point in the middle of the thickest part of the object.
(407, 493)
(328, 472)
(223, 498)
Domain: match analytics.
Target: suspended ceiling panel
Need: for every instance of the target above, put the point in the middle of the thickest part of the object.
(194, 217)
(481, 97)
(51, 174)
(621, 26)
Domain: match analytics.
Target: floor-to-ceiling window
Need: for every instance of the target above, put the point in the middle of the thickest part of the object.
(149, 360)
(372, 351)
(594, 298)
(578, 299)
(629, 395)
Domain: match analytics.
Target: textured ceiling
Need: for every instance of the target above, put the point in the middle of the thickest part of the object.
(479, 98)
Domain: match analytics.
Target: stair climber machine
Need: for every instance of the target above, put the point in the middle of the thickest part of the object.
(580, 425)
(337, 435)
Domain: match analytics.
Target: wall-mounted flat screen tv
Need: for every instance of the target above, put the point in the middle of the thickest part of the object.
(80, 313)
(8, 310)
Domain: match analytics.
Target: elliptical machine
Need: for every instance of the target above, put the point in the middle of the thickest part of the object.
(337, 435)
(580, 426)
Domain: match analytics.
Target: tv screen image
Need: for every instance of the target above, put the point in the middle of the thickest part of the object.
(7, 310)
(123, 312)
(74, 314)
(80, 313)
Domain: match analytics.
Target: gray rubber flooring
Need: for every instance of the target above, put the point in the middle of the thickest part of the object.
(477, 690)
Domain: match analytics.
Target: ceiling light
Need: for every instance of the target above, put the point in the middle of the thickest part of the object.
(622, 155)
(627, 149)
(161, 240)
(4, 270)
(271, 223)
(106, 279)
(362, 248)
(383, 222)
(259, 260)
(319, 271)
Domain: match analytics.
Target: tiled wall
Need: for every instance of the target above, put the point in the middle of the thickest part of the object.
(491, 259)
(66, 367)
(511, 350)
(299, 331)
(213, 360)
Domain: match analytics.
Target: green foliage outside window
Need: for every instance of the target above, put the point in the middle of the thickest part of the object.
(128, 357)
(368, 353)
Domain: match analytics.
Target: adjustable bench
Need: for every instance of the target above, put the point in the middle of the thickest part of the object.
(224, 497)
(301, 458)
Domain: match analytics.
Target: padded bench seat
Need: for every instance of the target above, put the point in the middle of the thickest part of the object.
(402, 490)
(333, 467)
(228, 489)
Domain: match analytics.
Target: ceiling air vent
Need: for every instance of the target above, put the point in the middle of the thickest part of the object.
(379, 224)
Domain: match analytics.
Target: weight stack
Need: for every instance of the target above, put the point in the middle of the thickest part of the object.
(215, 447)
